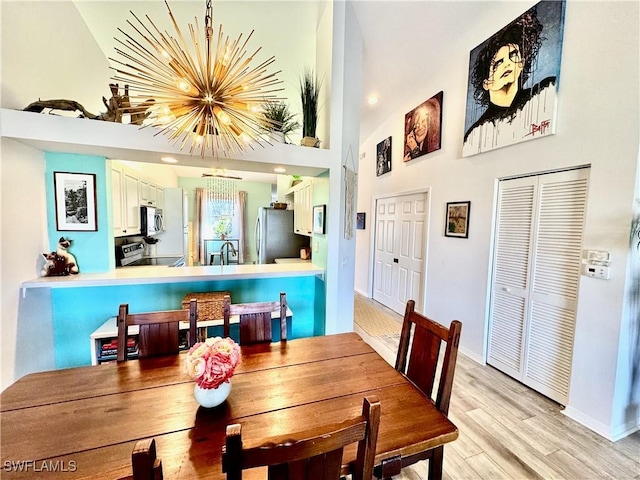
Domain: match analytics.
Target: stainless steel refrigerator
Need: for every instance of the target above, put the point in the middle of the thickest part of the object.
(275, 237)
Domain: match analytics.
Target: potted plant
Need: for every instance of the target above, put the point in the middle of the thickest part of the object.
(309, 90)
(279, 119)
(295, 180)
(222, 227)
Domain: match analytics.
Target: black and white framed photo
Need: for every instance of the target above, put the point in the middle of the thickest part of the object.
(457, 224)
(75, 202)
(319, 212)
(383, 157)
(361, 219)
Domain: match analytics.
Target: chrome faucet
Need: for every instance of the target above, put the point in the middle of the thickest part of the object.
(226, 245)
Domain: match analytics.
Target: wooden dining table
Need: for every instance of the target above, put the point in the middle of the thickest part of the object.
(83, 422)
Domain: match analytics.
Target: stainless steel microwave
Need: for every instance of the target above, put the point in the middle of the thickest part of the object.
(152, 222)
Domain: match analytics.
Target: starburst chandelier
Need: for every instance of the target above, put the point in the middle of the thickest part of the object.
(206, 100)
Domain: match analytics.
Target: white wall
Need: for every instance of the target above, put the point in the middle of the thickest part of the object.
(29, 32)
(23, 232)
(597, 125)
(346, 90)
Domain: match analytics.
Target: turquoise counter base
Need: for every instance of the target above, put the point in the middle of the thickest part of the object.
(77, 312)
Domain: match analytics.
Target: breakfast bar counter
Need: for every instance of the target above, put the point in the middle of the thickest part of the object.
(65, 311)
(162, 274)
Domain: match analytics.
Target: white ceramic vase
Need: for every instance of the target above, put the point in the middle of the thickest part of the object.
(211, 397)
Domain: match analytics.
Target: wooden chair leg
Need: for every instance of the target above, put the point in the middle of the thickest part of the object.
(435, 463)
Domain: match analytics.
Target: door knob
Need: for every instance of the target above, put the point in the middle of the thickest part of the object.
(395, 260)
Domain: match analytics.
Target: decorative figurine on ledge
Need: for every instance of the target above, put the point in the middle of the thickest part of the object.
(60, 262)
(116, 106)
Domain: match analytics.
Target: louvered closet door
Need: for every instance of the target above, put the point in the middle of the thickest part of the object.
(535, 279)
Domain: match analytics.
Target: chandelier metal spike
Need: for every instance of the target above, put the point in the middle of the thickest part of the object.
(206, 101)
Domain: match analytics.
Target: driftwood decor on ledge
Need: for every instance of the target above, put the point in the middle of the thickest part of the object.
(116, 107)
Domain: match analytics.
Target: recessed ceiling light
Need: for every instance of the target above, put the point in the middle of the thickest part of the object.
(169, 160)
(279, 169)
(372, 100)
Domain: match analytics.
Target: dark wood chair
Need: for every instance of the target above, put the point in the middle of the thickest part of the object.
(255, 319)
(144, 463)
(158, 331)
(312, 454)
(422, 364)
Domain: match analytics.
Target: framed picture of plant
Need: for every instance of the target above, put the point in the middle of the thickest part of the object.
(457, 223)
(319, 212)
(75, 195)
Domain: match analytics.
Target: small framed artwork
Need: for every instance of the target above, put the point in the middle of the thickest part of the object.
(360, 220)
(457, 224)
(422, 128)
(383, 157)
(75, 201)
(319, 212)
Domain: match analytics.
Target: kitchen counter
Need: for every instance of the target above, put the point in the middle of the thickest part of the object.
(163, 274)
(282, 261)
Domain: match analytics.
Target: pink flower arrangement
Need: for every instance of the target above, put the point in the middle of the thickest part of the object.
(212, 362)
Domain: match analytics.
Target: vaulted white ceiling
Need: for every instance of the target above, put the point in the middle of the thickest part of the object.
(402, 41)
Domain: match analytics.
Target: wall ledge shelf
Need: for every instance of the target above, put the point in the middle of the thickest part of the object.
(161, 274)
(59, 133)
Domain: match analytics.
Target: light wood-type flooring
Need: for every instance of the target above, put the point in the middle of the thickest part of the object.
(507, 431)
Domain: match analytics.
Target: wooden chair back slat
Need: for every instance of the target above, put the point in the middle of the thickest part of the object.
(313, 454)
(423, 359)
(158, 332)
(255, 319)
(421, 365)
(158, 339)
(255, 328)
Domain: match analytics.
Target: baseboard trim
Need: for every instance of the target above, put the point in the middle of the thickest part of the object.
(476, 358)
(611, 433)
(360, 292)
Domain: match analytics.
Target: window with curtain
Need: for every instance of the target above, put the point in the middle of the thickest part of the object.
(217, 216)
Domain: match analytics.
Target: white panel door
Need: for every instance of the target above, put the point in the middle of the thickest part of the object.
(537, 265)
(399, 250)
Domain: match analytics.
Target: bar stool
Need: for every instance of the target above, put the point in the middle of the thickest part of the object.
(213, 256)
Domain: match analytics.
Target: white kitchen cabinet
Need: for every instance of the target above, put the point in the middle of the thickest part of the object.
(303, 208)
(145, 186)
(148, 193)
(125, 198)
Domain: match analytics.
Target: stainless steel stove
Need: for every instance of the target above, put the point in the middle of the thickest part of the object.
(132, 255)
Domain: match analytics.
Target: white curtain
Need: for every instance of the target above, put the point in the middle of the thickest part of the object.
(198, 222)
(204, 225)
(240, 219)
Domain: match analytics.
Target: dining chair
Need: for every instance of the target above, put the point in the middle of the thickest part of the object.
(311, 454)
(422, 363)
(144, 462)
(255, 319)
(158, 331)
